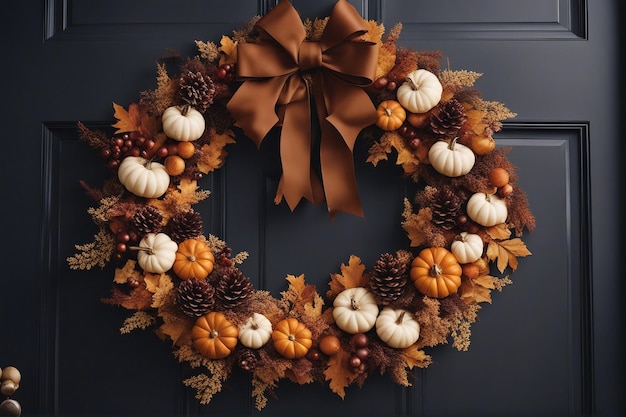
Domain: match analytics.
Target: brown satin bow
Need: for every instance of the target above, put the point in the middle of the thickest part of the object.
(275, 91)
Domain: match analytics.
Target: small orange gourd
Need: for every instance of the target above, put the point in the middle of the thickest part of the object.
(214, 336)
(390, 115)
(194, 259)
(435, 272)
(292, 339)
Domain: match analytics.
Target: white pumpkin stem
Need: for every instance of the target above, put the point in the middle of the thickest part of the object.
(185, 109)
(149, 250)
(254, 326)
(400, 317)
(452, 143)
(354, 304)
(412, 84)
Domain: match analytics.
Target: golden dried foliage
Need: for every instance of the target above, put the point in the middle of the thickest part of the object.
(123, 274)
(315, 28)
(160, 285)
(506, 252)
(96, 253)
(208, 50)
(419, 227)
(213, 155)
(136, 119)
(340, 373)
(228, 48)
(456, 81)
(179, 198)
(434, 329)
(387, 51)
(266, 377)
(460, 328)
(352, 275)
(139, 320)
(388, 142)
(413, 356)
(302, 297)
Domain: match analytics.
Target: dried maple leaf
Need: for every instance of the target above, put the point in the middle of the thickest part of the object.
(500, 231)
(135, 119)
(178, 331)
(413, 356)
(392, 140)
(301, 296)
(159, 285)
(122, 275)
(417, 226)
(351, 276)
(212, 155)
(181, 198)
(505, 252)
(228, 47)
(476, 290)
(339, 373)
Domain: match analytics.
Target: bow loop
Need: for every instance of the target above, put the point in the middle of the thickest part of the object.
(274, 92)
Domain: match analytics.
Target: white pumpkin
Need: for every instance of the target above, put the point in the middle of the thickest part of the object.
(256, 331)
(397, 327)
(450, 158)
(487, 209)
(184, 124)
(156, 253)
(142, 177)
(420, 92)
(355, 310)
(467, 247)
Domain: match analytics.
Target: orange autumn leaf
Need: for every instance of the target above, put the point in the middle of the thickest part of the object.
(471, 291)
(499, 231)
(506, 252)
(212, 155)
(135, 119)
(178, 331)
(339, 373)
(180, 198)
(351, 276)
(413, 357)
(127, 271)
(228, 47)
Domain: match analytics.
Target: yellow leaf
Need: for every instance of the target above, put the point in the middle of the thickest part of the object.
(229, 50)
(486, 281)
(471, 292)
(213, 155)
(152, 281)
(177, 331)
(415, 357)
(296, 283)
(351, 276)
(127, 271)
(417, 225)
(127, 121)
(499, 231)
(505, 252)
(339, 373)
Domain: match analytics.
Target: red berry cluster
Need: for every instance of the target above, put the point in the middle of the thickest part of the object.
(128, 144)
(360, 352)
(225, 73)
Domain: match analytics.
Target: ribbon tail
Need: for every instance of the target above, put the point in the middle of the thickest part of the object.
(337, 166)
(295, 153)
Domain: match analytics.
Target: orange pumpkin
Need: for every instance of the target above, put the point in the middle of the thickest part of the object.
(194, 259)
(292, 339)
(435, 272)
(390, 115)
(214, 336)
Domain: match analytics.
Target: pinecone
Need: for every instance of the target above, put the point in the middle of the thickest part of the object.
(233, 288)
(445, 207)
(197, 91)
(388, 278)
(247, 360)
(448, 119)
(185, 225)
(148, 220)
(195, 297)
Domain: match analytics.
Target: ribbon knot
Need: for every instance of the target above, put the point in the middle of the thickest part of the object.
(274, 92)
(309, 56)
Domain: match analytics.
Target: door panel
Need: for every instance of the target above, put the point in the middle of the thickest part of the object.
(548, 346)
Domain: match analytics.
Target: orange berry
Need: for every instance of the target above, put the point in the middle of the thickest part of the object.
(185, 149)
(330, 344)
(174, 165)
(499, 177)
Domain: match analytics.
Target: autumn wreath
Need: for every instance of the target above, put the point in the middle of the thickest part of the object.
(464, 223)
